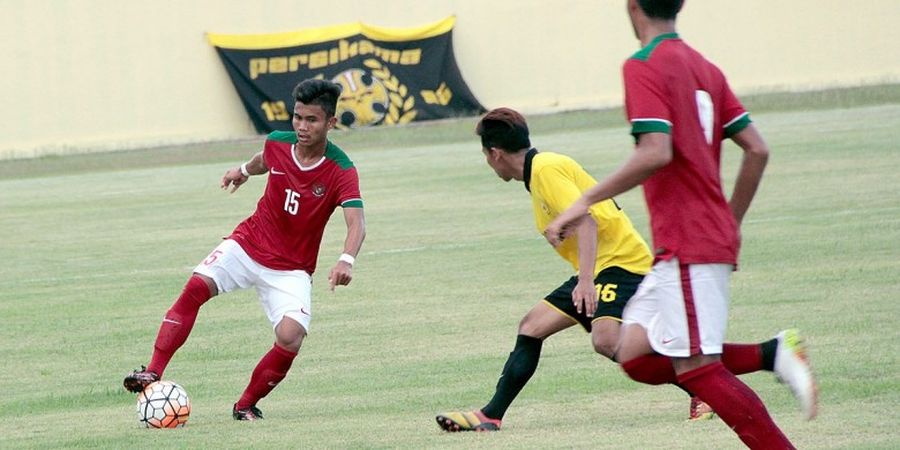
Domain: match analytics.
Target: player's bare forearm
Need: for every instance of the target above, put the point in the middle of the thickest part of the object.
(652, 152)
(584, 295)
(356, 230)
(236, 176)
(753, 164)
(342, 273)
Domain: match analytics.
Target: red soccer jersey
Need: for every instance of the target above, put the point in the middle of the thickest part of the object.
(671, 88)
(286, 229)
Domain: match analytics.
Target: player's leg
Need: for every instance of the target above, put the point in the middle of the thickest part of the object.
(223, 267)
(173, 331)
(615, 287)
(286, 298)
(271, 369)
(644, 365)
(542, 321)
(691, 329)
(179, 320)
(605, 336)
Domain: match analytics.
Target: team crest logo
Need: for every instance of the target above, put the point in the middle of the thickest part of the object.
(372, 97)
(318, 189)
(545, 208)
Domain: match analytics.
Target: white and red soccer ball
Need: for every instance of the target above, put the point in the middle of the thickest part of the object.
(163, 404)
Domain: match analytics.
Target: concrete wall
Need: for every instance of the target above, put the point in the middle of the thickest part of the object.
(83, 75)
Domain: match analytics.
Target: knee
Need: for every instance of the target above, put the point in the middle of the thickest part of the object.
(289, 335)
(605, 347)
(527, 327)
(290, 342)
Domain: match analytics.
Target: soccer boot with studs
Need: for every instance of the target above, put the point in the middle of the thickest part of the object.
(137, 380)
(700, 410)
(792, 368)
(251, 413)
(467, 421)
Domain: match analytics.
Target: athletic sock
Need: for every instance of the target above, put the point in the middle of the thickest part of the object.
(737, 358)
(519, 368)
(768, 349)
(177, 324)
(742, 358)
(650, 369)
(737, 405)
(272, 368)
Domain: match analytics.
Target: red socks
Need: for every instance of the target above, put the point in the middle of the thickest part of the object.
(272, 368)
(177, 324)
(742, 358)
(657, 369)
(736, 404)
(650, 369)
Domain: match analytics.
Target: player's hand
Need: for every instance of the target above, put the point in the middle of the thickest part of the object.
(564, 224)
(340, 275)
(233, 178)
(584, 296)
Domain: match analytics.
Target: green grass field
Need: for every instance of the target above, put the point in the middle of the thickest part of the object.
(96, 247)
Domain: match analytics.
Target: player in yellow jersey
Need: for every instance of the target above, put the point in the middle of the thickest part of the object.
(610, 259)
(607, 253)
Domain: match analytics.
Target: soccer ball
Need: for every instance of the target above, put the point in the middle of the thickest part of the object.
(163, 404)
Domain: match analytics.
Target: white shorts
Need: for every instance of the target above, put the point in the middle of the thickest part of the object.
(282, 293)
(684, 308)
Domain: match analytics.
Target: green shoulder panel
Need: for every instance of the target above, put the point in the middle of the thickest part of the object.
(334, 153)
(283, 136)
(644, 53)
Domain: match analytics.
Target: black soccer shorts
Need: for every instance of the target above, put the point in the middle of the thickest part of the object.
(614, 287)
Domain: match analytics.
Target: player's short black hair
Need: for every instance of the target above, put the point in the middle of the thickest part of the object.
(318, 92)
(661, 9)
(505, 129)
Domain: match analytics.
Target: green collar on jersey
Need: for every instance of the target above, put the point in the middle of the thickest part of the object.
(332, 151)
(644, 53)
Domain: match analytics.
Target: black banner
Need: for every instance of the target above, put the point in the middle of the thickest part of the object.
(390, 76)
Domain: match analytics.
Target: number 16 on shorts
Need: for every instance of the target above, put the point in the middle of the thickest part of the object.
(606, 292)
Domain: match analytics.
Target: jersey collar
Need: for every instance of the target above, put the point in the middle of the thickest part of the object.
(644, 53)
(526, 173)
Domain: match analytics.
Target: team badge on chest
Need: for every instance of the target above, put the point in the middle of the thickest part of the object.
(318, 189)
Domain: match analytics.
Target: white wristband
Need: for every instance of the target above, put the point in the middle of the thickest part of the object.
(244, 171)
(347, 258)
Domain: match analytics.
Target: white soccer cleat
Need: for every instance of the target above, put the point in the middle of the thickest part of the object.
(792, 367)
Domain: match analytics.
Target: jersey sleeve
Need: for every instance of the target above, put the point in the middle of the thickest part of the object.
(348, 189)
(645, 104)
(734, 117)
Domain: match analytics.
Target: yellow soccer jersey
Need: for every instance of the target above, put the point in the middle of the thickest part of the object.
(555, 182)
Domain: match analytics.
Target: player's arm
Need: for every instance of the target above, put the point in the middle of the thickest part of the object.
(585, 294)
(756, 155)
(342, 272)
(236, 176)
(652, 152)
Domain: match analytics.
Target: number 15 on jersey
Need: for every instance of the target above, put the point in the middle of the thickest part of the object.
(291, 201)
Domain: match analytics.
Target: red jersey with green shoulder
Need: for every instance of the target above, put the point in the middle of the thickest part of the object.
(285, 231)
(671, 88)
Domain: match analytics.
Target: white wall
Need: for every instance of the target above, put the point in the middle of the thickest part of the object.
(84, 75)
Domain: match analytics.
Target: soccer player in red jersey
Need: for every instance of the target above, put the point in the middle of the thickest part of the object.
(681, 108)
(275, 249)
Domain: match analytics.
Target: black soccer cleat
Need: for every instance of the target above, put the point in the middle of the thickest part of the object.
(137, 380)
(251, 413)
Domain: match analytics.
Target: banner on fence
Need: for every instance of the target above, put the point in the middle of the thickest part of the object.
(390, 76)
